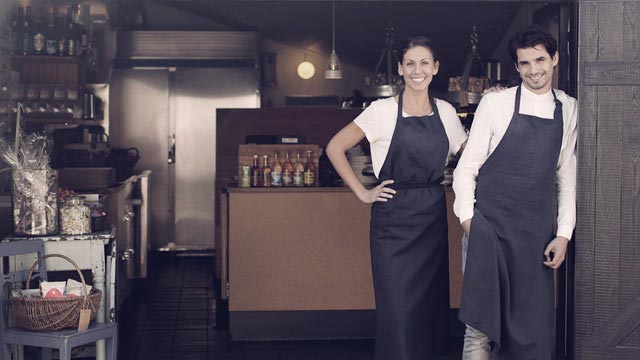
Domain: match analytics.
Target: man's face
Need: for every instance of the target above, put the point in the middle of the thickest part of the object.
(535, 67)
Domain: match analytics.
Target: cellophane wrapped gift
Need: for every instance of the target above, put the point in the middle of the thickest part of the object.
(35, 206)
(35, 184)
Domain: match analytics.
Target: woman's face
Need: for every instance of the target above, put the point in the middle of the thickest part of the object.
(418, 68)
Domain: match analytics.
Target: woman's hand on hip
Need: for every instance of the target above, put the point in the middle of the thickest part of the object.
(378, 193)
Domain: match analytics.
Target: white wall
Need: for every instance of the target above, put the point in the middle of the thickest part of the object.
(288, 83)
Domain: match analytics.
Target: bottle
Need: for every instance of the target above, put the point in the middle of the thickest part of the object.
(298, 172)
(39, 40)
(276, 171)
(51, 33)
(245, 176)
(27, 32)
(16, 31)
(255, 172)
(309, 171)
(61, 22)
(265, 172)
(287, 171)
(70, 34)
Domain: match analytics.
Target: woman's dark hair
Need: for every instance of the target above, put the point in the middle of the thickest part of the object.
(413, 41)
(530, 37)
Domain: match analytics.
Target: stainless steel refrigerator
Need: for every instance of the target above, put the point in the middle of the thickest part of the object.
(165, 106)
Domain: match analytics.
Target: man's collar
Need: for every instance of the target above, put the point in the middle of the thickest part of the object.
(530, 93)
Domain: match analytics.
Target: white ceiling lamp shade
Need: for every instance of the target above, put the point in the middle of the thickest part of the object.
(333, 70)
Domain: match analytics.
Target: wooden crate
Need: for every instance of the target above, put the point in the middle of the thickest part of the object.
(246, 152)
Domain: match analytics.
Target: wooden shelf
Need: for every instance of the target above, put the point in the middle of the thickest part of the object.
(51, 69)
(47, 121)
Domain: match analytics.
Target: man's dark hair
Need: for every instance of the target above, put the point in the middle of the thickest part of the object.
(530, 37)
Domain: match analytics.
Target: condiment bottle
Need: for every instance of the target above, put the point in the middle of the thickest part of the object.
(265, 172)
(276, 171)
(298, 172)
(287, 171)
(309, 171)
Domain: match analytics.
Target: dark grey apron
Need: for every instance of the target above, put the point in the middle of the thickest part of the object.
(508, 292)
(409, 248)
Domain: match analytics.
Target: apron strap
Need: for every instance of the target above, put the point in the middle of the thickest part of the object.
(400, 105)
(432, 100)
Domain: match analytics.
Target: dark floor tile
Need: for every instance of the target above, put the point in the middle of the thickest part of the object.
(190, 356)
(160, 324)
(195, 305)
(150, 356)
(227, 355)
(192, 314)
(261, 354)
(344, 350)
(175, 305)
(192, 324)
(191, 341)
(290, 350)
(156, 341)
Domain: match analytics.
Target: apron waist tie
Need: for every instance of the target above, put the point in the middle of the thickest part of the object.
(414, 185)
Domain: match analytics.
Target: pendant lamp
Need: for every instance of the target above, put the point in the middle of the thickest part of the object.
(333, 69)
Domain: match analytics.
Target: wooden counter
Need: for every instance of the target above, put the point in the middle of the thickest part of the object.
(302, 250)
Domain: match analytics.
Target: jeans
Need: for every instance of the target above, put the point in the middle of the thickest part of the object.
(476, 343)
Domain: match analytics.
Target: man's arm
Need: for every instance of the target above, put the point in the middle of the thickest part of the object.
(475, 154)
(566, 192)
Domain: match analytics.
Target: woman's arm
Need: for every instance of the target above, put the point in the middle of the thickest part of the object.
(345, 139)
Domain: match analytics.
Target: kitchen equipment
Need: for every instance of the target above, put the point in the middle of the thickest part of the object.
(164, 91)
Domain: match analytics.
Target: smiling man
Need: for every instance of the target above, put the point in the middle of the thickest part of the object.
(518, 168)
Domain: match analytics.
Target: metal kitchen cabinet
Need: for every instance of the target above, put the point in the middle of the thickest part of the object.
(164, 92)
(127, 207)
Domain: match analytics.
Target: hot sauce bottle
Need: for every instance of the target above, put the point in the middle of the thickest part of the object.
(287, 171)
(276, 171)
(309, 171)
(298, 172)
(265, 172)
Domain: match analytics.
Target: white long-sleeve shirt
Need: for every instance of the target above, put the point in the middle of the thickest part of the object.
(490, 123)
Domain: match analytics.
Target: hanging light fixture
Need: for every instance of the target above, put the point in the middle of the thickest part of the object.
(384, 84)
(333, 69)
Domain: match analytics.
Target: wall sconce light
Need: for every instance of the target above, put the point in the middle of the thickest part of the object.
(306, 70)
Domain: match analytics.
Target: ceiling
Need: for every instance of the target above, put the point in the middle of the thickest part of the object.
(360, 25)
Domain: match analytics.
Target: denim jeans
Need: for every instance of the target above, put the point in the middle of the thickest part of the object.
(476, 343)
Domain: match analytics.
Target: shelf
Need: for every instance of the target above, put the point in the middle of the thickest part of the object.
(51, 69)
(51, 59)
(46, 121)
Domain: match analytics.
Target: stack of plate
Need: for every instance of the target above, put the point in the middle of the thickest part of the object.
(360, 163)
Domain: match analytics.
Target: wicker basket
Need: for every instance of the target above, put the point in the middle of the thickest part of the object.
(39, 314)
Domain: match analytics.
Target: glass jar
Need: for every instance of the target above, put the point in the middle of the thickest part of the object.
(75, 217)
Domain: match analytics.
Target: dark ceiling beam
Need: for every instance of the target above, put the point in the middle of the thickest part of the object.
(391, 1)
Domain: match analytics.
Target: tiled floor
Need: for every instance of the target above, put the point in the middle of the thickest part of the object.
(173, 318)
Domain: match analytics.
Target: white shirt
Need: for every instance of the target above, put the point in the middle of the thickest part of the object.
(491, 121)
(378, 122)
